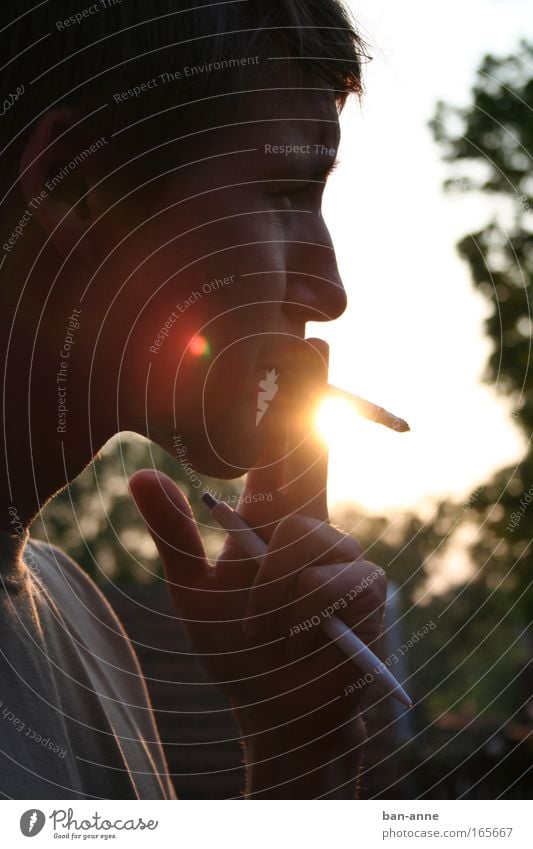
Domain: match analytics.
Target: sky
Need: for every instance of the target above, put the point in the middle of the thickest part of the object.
(412, 336)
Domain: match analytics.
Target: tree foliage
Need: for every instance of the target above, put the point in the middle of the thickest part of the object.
(96, 522)
(492, 140)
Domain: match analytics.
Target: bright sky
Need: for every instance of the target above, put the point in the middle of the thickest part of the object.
(412, 338)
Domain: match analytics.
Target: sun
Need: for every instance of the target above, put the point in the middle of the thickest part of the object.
(368, 464)
(335, 421)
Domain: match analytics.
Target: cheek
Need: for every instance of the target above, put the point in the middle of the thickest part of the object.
(236, 319)
(222, 286)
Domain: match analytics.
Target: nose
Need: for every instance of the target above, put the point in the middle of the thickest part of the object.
(314, 289)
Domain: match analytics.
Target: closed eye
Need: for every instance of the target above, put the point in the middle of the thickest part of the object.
(292, 187)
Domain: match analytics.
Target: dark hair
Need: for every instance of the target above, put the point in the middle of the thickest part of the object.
(82, 52)
(59, 59)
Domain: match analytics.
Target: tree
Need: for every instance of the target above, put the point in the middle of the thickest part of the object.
(469, 662)
(492, 138)
(95, 521)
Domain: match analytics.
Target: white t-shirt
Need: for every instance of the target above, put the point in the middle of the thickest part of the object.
(75, 717)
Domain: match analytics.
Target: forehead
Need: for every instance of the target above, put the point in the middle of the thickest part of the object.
(291, 112)
(277, 115)
(274, 110)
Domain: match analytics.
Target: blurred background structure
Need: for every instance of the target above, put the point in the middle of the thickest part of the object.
(457, 549)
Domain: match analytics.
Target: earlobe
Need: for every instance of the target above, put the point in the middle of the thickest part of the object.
(57, 196)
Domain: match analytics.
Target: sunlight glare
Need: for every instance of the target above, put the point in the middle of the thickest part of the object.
(335, 420)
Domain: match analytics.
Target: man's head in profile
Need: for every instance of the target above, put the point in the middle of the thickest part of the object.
(162, 242)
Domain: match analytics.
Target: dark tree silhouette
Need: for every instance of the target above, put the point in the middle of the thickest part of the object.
(492, 141)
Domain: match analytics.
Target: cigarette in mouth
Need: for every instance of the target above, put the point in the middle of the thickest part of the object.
(370, 411)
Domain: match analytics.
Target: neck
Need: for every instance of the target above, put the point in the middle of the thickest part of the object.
(42, 447)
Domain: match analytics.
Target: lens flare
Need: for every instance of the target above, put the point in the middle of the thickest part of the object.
(199, 346)
(334, 420)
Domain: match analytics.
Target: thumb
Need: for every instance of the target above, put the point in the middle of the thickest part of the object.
(169, 518)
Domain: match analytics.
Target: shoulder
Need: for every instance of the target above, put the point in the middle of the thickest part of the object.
(67, 584)
(50, 564)
(69, 600)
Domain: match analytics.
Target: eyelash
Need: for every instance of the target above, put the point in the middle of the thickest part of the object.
(312, 182)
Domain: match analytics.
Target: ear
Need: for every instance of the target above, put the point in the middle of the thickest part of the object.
(55, 177)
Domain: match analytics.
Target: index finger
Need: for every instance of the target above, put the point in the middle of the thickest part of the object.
(306, 458)
(293, 468)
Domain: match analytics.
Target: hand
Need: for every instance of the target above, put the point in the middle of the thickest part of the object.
(287, 691)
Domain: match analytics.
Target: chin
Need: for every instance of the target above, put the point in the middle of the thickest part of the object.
(227, 454)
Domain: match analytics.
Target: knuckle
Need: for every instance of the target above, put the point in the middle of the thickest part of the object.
(346, 538)
(369, 588)
(378, 596)
(381, 584)
(348, 547)
(309, 580)
(357, 548)
(377, 583)
(351, 542)
(290, 529)
(352, 550)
